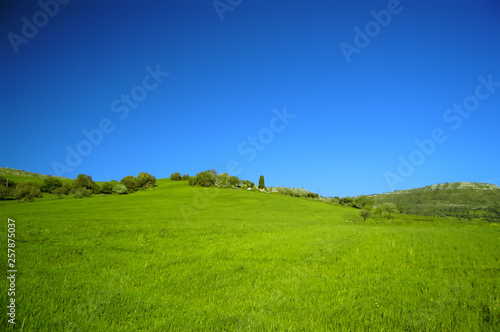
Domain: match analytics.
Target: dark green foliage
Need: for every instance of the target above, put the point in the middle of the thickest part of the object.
(131, 182)
(7, 183)
(249, 183)
(234, 181)
(222, 181)
(347, 201)
(49, 184)
(146, 181)
(96, 189)
(175, 176)
(107, 188)
(82, 192)
(205, 179)
(363, 201)
(60, 191)
(185, 177)
(262, 185)
(83, 181)
(4, 192)
(28, 190)
(365, 213)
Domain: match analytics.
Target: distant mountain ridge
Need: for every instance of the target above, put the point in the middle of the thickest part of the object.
(457, 199)
(17, 172)
(451, 186)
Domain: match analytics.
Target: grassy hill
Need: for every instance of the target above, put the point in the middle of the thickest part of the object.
(17, 175)
(190, 259)
(458, 199)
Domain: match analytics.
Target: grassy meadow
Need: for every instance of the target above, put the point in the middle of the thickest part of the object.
(182, 258)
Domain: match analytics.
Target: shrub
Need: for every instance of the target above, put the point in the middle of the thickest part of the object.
(205, 179)
(131, 182)
(347, 201)
(83, 181)
(60, 191)
(365, 213)
(120, 189)
(4, 192)
(28, 190)
(82, 192)
(248, 183)
(185, 177)
(234, 181)
(175, 176)
(192, 181)
(146, 181)
(96, 189)
(49, 184)
(107, 188)
(363, 201)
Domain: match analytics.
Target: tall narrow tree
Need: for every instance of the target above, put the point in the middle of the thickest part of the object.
(261, 182)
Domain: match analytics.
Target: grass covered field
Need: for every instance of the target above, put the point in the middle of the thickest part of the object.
(186, 259)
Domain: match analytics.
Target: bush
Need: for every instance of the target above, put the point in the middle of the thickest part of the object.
(192, 181)
(146, 181)
(60, 191)
(4, 192)
(131, 182)
(49, 184)
(107, 188)
(249, 183)
(205, 179)
(28, 190)
(185, 177)
(347, 201)
(83, 181)
(120, 189)
(96, 189)
(234, 181)
(82, 192)
(175, 176)
(363, 201)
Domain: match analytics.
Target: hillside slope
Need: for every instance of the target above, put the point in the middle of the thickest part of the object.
(458, 199)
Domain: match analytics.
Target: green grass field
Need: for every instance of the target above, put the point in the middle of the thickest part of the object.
(186, 259)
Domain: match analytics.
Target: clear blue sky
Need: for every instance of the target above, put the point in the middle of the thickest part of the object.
(358, 105)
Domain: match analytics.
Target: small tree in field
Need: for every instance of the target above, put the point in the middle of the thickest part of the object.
(175, 176)
(146, 180)
(49, 184)
(389, 208)
(28, 190)
(131, 182)
(365, 214)
(262, 185)
(205, 179)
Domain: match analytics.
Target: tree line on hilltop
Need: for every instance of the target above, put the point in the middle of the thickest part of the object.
(83, 186)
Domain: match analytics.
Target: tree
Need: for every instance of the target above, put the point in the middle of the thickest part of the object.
(175, 176)
(28, 190)
(185, 177)
(49, 184)
(364, 201)
(389, 208)
(146, 181)
(120, 189)
(205, 179)
(60, 191)
(4, 192)
(249, 183)
(83, 181)
(107, 188)
(222, 180)
(365, 213)
(234, 181)
(261, 182)
(131, 182)
(347, 201)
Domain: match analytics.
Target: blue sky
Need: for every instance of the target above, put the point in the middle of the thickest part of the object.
(348, 120)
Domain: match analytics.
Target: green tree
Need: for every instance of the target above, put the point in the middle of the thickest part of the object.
(131, 182)
(262, 185)
(175, 176)
(185, 177)
(49, 184)
(4, 192)
(389, 208)
(234, 181)
(28, 190)
(249, 183)
(146, 180)
(205, 179)
(107, 188)
(60, 191)
(83, 181)
(365, 213)
(120, 189)
(347, 201)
